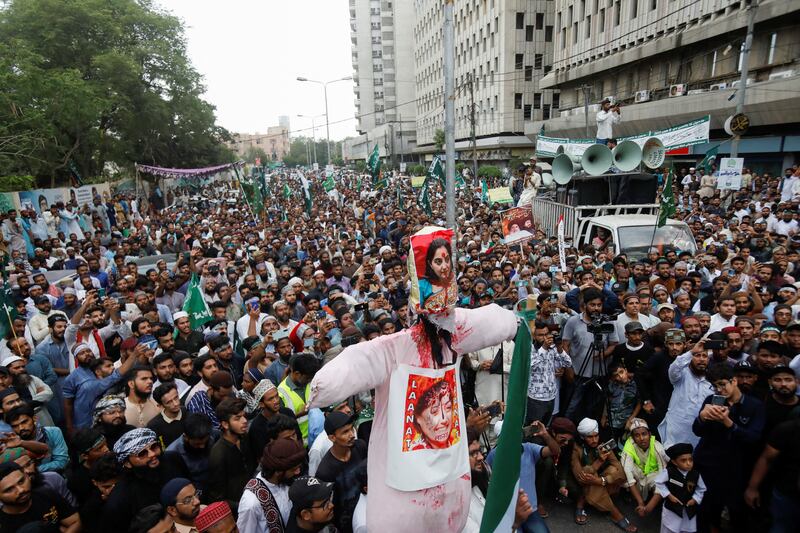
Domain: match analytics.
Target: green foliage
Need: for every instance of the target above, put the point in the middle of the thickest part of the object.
(489, 171)
(254, 152)
(416, 170)
(438, 139)
(460, 167)
(17, 183)
(360, 166)
(514, 163)
(298, 156)
(97, 81)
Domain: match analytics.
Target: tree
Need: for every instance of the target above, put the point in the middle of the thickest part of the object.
(438, 139)
(417, 170)
(97, 81)
(254, 152)
(488, 171)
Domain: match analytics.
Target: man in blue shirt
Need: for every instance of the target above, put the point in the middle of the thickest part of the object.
(531, 453)
(90, 380)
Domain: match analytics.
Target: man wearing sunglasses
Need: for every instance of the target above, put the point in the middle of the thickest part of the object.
(139, 453)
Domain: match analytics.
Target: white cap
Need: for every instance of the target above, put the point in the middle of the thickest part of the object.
(179, 314)
(11, 359)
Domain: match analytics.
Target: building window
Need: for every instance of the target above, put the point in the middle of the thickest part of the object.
(575, 33)
(520, 21)
(773, 42)
(602, 24)
(537, 61)
(616, 13)
(529, 33)
(634, 8)
(537, 100)
(517, 100)
(539, 21)
(548, 34)
(526, 112)
(588, 26)
(653, 5)
(547, 68)
(518, 59)
(546, 112)
(528, 73)
(556, 100)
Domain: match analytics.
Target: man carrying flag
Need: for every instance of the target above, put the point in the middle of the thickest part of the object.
(8, 311)
(195, 305)
(709, 159)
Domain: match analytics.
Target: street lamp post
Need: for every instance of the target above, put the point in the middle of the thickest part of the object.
(327, 117)
(313, 133)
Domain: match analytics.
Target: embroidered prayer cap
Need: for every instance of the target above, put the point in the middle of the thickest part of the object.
(179, 314)
(637, 423)
(11, 359)
(588, 426)
(263, 387)
(211, 515)
(282, 454)
(133, 442)
(676, 450)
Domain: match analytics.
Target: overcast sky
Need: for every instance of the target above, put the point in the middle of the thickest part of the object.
(250, 53)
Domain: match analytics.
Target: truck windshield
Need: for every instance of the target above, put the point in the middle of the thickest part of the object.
(635, 240)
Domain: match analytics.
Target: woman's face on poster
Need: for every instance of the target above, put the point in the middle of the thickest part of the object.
(436, 421)
(441, 263)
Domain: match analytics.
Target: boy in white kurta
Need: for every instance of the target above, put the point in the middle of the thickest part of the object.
(681, 488)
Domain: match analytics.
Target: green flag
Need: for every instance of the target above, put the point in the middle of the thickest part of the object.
(374, 164)
(8, 312)
(195, 304)
(709, 159)
(667, 208)
(501, 499)
(252, 194)
(436, 171)
(287, 192)
(460, 183)
(329, 184)
(484, 192)
(358, 184)
(307, 196)
(381, 183)
(423, 200)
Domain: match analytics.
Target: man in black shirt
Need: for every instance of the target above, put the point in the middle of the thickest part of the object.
(339, 465)
(782, 399)
(312, 505)
(22, 505)
(89, 445)
(188, 340)
(634, 353)
(270, 403)
(168, 424)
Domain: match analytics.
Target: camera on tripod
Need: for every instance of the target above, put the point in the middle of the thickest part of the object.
(601, 325)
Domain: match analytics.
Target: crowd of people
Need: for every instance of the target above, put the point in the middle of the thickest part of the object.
(659, 384)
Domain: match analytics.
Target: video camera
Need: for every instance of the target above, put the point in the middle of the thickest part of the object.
(601, 324)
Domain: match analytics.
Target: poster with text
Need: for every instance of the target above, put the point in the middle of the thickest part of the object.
(427, 441)
(517, 224)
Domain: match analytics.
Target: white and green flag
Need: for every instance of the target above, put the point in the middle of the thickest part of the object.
(195, 304)
(709, 159)
(501, 500)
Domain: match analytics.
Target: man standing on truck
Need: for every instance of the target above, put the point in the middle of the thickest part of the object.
(607, 116)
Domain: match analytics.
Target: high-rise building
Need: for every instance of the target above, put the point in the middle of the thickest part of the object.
(668, 62)
(383, 75)
(283, 121)
(502, 50)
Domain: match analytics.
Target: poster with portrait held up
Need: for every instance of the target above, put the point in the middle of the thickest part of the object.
(426, 422)
(430, 267)
(517, 225)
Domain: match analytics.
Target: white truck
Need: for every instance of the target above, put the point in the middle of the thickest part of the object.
(630, 226)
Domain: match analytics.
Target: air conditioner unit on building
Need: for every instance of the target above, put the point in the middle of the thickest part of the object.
(750, 81)
(718, 86)
(679, 89)
(783, 74)
(642, 96)
(696, 91)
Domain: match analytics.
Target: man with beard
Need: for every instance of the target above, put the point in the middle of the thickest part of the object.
(70, 303)
(230, 464)
(227, 361)
(284, 315)
(207, 401)
(109, 418)
(687, 373)
(168, 425)
(94, 330)
(55, 456)
(166, 293)
(339, 464)
(39, 366)
(692, 327)
(746, 376)
(770, 353)
(22, 505)
(181, 500)
(38, 323)
(204, 367)
(188, 455)
(313, 507)
(139, 453)
(283, 347)
(89, 445)
(140, 407)
(269, 402)
(104, 475)
(265, 504)
(782, 400)
(187, 340)
(165, 369)
(54, 348)
(185, 369)
(30, 388)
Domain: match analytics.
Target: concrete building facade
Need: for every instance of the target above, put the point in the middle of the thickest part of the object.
(502, 50)
(275, 142)
(383, 76)
(670, 61)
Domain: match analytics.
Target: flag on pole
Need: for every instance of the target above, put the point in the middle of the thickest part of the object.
(667, 207)
(501, 499)
(195, 304)
(709, 159)
(306, 193)
(287, 192)
(374, 164)
(9, 311)
(484, 192)
(424, 200)
(436, 171)
(460, 183)
(329, 184)
(75, 175)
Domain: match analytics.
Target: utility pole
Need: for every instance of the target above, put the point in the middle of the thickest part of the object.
(472, 128)
(400, 119)
(391, 144)
(748, 43)
(449, 118)
(586, 92)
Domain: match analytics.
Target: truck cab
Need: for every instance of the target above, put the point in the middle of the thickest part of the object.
(633, 235)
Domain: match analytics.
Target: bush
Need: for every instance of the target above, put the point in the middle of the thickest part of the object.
(488, 171)
(416, 170)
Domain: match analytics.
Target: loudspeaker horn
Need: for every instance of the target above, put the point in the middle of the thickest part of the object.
(563, 168)
(627, 156)
(653, 153)
(597, 159)
(547, 180)
(560, 150)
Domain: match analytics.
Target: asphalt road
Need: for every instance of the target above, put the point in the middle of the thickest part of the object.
(562, 519)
